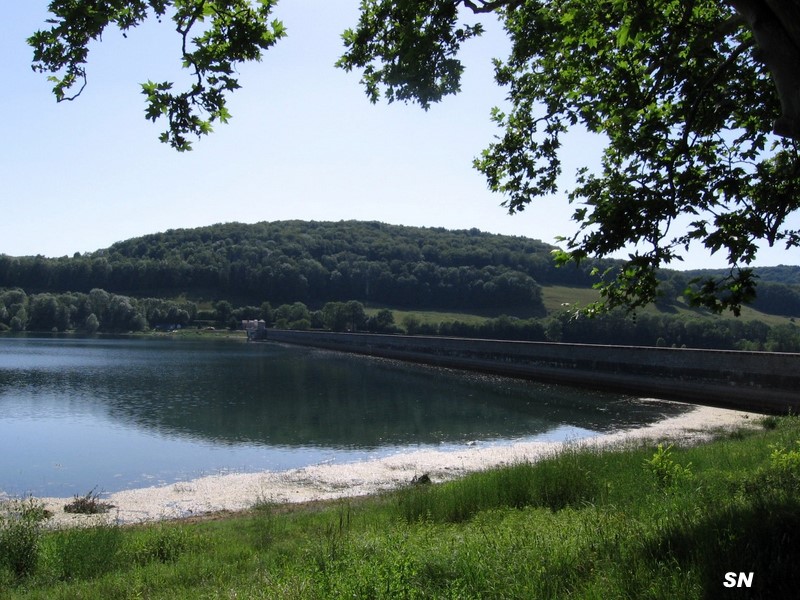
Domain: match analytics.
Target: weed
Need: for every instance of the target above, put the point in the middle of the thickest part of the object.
(779, 479)
(157, 543)
(668, 473)
(785, 462)
(334, 540)
(20, 535)
(19, 545)
(769, 422)
(265, 524)
(30, 509)
(90, 504)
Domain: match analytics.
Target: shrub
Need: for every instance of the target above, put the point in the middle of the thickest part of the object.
(19, 546)
(780, 478)
(668, 473)
(20, 535)
(90, 504)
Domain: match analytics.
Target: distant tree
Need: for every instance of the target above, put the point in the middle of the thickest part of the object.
(247, 312)
(412, 324)
(20, 320)
(317, 320)
(266, 313)
(14, 297)
(99, 302)
(554, 330)
(344, 316)
(123, 315)
(300, 324)
(356, 315)
(778, 299)
(223, 311)
(334, 317)
(91, 324)
(382, 322)
(293, 316)
(46, 313)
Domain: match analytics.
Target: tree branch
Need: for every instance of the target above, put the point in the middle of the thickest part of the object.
(483, 6)
(713, 78)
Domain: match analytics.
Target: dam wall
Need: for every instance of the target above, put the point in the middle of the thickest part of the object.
(767, 382)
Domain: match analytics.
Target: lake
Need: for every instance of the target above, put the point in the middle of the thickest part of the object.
(112, 414)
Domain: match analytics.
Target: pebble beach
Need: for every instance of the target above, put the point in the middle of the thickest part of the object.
(241, 491)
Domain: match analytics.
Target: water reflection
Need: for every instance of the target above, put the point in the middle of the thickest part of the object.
(282, 405)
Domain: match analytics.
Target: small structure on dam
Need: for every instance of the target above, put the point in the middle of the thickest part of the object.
(756, 381)
(255, 329)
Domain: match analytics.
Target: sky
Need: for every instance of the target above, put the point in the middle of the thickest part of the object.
(304, 143)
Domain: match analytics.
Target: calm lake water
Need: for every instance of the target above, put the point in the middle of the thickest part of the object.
(76, 414)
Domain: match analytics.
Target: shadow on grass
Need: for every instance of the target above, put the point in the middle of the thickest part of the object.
(763, 539)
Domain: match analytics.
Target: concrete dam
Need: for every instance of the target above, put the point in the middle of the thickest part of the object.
(766, 382)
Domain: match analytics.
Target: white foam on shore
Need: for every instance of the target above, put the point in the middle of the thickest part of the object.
(241, 491)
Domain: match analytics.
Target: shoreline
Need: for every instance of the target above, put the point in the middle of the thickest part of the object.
(241, 491)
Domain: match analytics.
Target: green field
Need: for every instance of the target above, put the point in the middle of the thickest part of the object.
(432, 317)
(558, 299)
(647, 521)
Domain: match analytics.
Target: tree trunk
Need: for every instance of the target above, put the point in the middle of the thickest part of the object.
(776, 29)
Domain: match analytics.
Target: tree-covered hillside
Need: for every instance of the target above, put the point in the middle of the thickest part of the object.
(310, 262)
(344, 276)
(778, 291)
(319, 262)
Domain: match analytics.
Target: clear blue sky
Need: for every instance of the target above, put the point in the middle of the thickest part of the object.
(304, 143)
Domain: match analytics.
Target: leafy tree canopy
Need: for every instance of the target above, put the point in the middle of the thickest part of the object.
(699, 102)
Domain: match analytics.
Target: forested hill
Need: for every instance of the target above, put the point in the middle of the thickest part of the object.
(318, 262)
(311, 262)
(788, 274)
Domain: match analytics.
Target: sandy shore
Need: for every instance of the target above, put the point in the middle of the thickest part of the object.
(235, 492)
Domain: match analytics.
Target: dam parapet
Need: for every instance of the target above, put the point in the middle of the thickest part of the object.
(754, 381)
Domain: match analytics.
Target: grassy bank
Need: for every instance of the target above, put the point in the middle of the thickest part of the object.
(644, 522)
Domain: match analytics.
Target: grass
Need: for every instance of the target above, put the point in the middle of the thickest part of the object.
(553, 483)
(432, 317)
(557, 299)
(648, 521)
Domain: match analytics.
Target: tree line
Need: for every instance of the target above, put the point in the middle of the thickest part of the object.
(101, 311)
(618, 328)
(105, 312)
(96, 311)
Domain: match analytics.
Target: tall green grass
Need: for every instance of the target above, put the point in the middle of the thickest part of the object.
(554, 483)
(649, 521)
